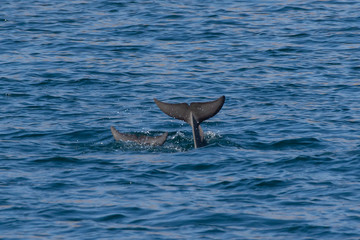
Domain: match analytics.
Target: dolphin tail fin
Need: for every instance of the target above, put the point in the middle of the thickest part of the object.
(194, 114)
(199, 110)
(179, 111)
(205, 110)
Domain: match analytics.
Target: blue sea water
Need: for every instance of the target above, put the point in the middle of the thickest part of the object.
(283, 159)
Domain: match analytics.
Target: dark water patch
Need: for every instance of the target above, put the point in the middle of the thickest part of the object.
(196, 167)
(292, 49)
(297, 203)
(56, 186)
(299, 35)
(16, 95)
(173, 16)
(116, 4)
(298, 143)
(291, 8)
(112, 218)
(270, 184)
(57, 160)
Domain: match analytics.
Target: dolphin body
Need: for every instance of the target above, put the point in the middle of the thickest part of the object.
(193, 114)
(143, 139)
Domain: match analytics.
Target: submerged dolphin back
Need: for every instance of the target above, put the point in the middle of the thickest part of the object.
(143, 139)
(123, 136)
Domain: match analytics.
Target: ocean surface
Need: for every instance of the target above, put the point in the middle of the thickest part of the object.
(283, 154)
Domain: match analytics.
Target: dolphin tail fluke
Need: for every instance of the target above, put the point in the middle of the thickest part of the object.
(205, 110)
(155, 141)
(200, 111)
(179, 111)
(194, 114)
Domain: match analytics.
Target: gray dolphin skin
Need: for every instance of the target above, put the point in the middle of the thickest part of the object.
(143, 139)
(193, 114)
